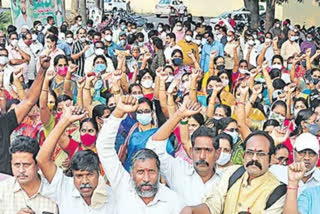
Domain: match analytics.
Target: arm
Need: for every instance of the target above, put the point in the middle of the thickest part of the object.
(200, 209)
(67, 81)
(24, 55)
(194, 85)
(268, 80)
(163, 97)
(45, 112)
(87, 95)
(76, 56)
(80, 84)
(275, 46)
(185, 137)
(241, 113)
(17, 83)
(212, 100)
(248, 54)
(34, 92)
(308, 59)
(263, 53)
(236, 59)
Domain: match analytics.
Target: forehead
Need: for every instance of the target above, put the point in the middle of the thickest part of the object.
(232, 125)
(224, 143)
(146, 164)
(191, 120)
(136, 88)
(24, 157)
(82, 172)
(143, 105)
(258, 143)
(87, 125)
(203, 141)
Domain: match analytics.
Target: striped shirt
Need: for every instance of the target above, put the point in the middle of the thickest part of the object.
(77, 47)
(13, 198)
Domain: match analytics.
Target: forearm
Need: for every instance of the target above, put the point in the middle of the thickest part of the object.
(163, 98)
(308, 63)
(211, 105)
(3, 101)
(249, 104)
(124, 83)
(261, 56)
(193, 90)
(156, 90)
(268, 83)
(77, 55)
(172, 108)
(80, 97)
(235, 56)
(289, 102)
(24, 55)
(248, 56)
(20, 90)
(292, 72)
(241, 118)
(17, 61)
(44, 109)
(291, 205)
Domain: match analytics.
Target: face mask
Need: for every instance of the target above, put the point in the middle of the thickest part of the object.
(198, 42)
(139, 64)
(28, 42)
(310, 172)
(243, 71)
(179, 28)
(188, 38)
(313, 128)
(225, 82)
(62, 71)
(289, 67)
(209, 92)
(220, 67)
(34, 37)
(160, 29)
(229, 38)
(108, 38)
(123, 27)
(251, 43)
(123, 42)
(51, 106)
(80, 23)
(69, 40)
(4, 60)
(112, 109)
(292, 38)
(277, 66)
(147, 84)
(296, 113)
(277, 25)
(216, 117)
(315, 81)
(177, 61)
(234, 135)
(277, 117)
(14, 43)
(99, 68)
(138, 96)
(83, 39)
(224, 158)
(134, 30)
(88, 140)
(144, 119)
(39, 28)
(140, 44)
(99, 52)
(203, 41)
(268, 40)
(255, 36)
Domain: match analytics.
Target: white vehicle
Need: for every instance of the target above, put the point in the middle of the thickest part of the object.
(110, 5)
(164, 7)
(240, 16)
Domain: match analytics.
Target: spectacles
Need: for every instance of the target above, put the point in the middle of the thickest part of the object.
(260, 155)
(145, 111)
(303, 153)
(232, 130)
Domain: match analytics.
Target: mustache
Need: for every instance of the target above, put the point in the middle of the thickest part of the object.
(254, 163)
(83, 186)
(202, 162)
(21, 175)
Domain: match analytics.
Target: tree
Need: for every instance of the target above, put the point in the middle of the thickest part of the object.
(253, 7)
(83, 10)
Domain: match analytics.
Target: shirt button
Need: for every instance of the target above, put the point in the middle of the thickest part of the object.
(239, 204)
(243, 185)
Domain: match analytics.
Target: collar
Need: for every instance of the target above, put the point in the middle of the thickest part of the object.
(257, 181)
(17, 187)
(315, 175)
(191, 170)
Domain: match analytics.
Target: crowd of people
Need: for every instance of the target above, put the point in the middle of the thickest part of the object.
(189, 118)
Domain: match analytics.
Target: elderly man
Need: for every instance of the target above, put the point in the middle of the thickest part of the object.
(86, 191)
(140, 191)
(21, 193)
(290, 47)
(250, 188)
(306, 149)
(197, 179)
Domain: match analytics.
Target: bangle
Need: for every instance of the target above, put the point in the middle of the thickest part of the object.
(240, 103)
(193, 89)
(67, 80)
(116, 92)
(45, 90)
(87, 88)
(184, 122)
(293, 188)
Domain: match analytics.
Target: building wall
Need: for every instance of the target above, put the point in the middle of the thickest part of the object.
(307, 12)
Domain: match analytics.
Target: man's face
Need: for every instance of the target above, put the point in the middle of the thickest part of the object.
(24, 168)
(145, 175)
(49, 44)
(82, 33)
(308, 156)
(256, 156)
(28, 39)
(23, 6)
(86, 182)
(204, 155)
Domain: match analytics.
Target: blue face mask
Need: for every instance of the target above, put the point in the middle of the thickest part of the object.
(177, 61)
(313, 128)
(123, 27)
(99, 68)
(234, 135)
(315, 81)
(144, 119)
(289, 67)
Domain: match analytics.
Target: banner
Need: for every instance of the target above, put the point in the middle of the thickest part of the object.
(25, 12)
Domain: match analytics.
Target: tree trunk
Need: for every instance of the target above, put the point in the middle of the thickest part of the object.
(83, 10)
(253, 7)
(101, 6)
(74, 7)
(270, 13)
(63, 2)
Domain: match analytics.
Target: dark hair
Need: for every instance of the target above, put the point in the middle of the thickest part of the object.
(92, 121)
(99, 57)
(264, 134)
(53, 38)
(58, 57)
(63, 28)
(280, 146)
(158, 43)
(146, 100)
(54, 30)
(134, 85)
(11, 29)
(144, 154)
(143, 72)
(63, 98)
(279, 103)
(226, 109)
(199, 118)
(98, 110)
(85, 160)
(172, 36)
(176, 51)
(216, 59)
(12, 33)
(203, 131)
(270, 122)
(277, 57)
(274, 72)
(140, 35)
(300, 99)
(303, 115)
(152, 33)
(210, 34)
(90, 22)
(81, 28)
(49, 18)
(52, 93)
(25, 144)
(69, 32)
(131, 38)
(97, 34)
(224, 136)
(11, 102)
(223, 123)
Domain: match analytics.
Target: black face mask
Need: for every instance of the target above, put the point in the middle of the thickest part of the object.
(209, 92)
(220, 67)
(112, 109)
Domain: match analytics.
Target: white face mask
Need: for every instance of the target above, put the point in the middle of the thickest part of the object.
(69, 40)
(4, 60)
(179, 28)
(160, 29)
(234, 135)
(296, 112)
(225, 82)
(108, 38)
(224, 158)
(229, 38)
(309, 39)
(14, 43)
(310, 172)
(277, 66)
(251, 43)
(83, 39)
(188, 38)
(99, 52)
(293, 38)
(147, 83)
(39, 28)
(203, 41)
(80, 23)
(267, 40)
(34, 37)
(198, 42)
(243, 71)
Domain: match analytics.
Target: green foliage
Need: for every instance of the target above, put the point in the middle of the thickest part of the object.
(5, 20)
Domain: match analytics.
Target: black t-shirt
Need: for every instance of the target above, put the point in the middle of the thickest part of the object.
(8, 122)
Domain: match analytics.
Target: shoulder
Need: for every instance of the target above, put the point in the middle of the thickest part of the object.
(7, 183)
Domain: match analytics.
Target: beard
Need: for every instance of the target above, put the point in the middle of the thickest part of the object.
(149, 193)
(23, 11)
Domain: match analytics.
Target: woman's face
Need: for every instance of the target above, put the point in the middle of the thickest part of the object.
(220, 61)
(111, 102)
(193, 125)
(100, 61)
(299, 106)
(243, 65)
(224, 77)
(51, 101)
(87, 128)
(231, 126)
(224, 146)
(276, 61)
(269, 129)
(220, 113)
(62, 63)
(280, 110)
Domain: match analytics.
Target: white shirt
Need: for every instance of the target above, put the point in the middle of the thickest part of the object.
(20, 22)
(181, 176)
(165, 201)
(281, 172)
(88, 64)
(30, 73)
(168, 51)
(69, 200)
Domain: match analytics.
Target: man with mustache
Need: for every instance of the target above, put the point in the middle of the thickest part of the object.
(22, 193)
(306, 150)
(246, 189)
(23, 18)
(86, 192)
(140, 191)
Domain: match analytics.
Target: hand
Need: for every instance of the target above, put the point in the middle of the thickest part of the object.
(161, 74)
(50, 75)
(254, 72)
(292, 87)
(127, 104)
(213, 54)
(173, 85)
(218, 87)
(73, 68)
(275, 40)
(86, 47)
(295, 60)
(81, 82)
(265, 65)
(244, 89)
(196, 74)
(26, 211)
(45, 62)
(147, 56)
(296, 172)
(236, 44)
(116, 75)
(17, 74)
(191, 55)
(308, 52)
(318, 52)
(279, 135)
(189, 108)
(121, 58)
(73, 113)
(267, 44)
(257, 89)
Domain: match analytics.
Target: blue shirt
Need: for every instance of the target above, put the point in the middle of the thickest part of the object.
(113, 47)
(308, 201)
(206, 50)
(64, 46)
